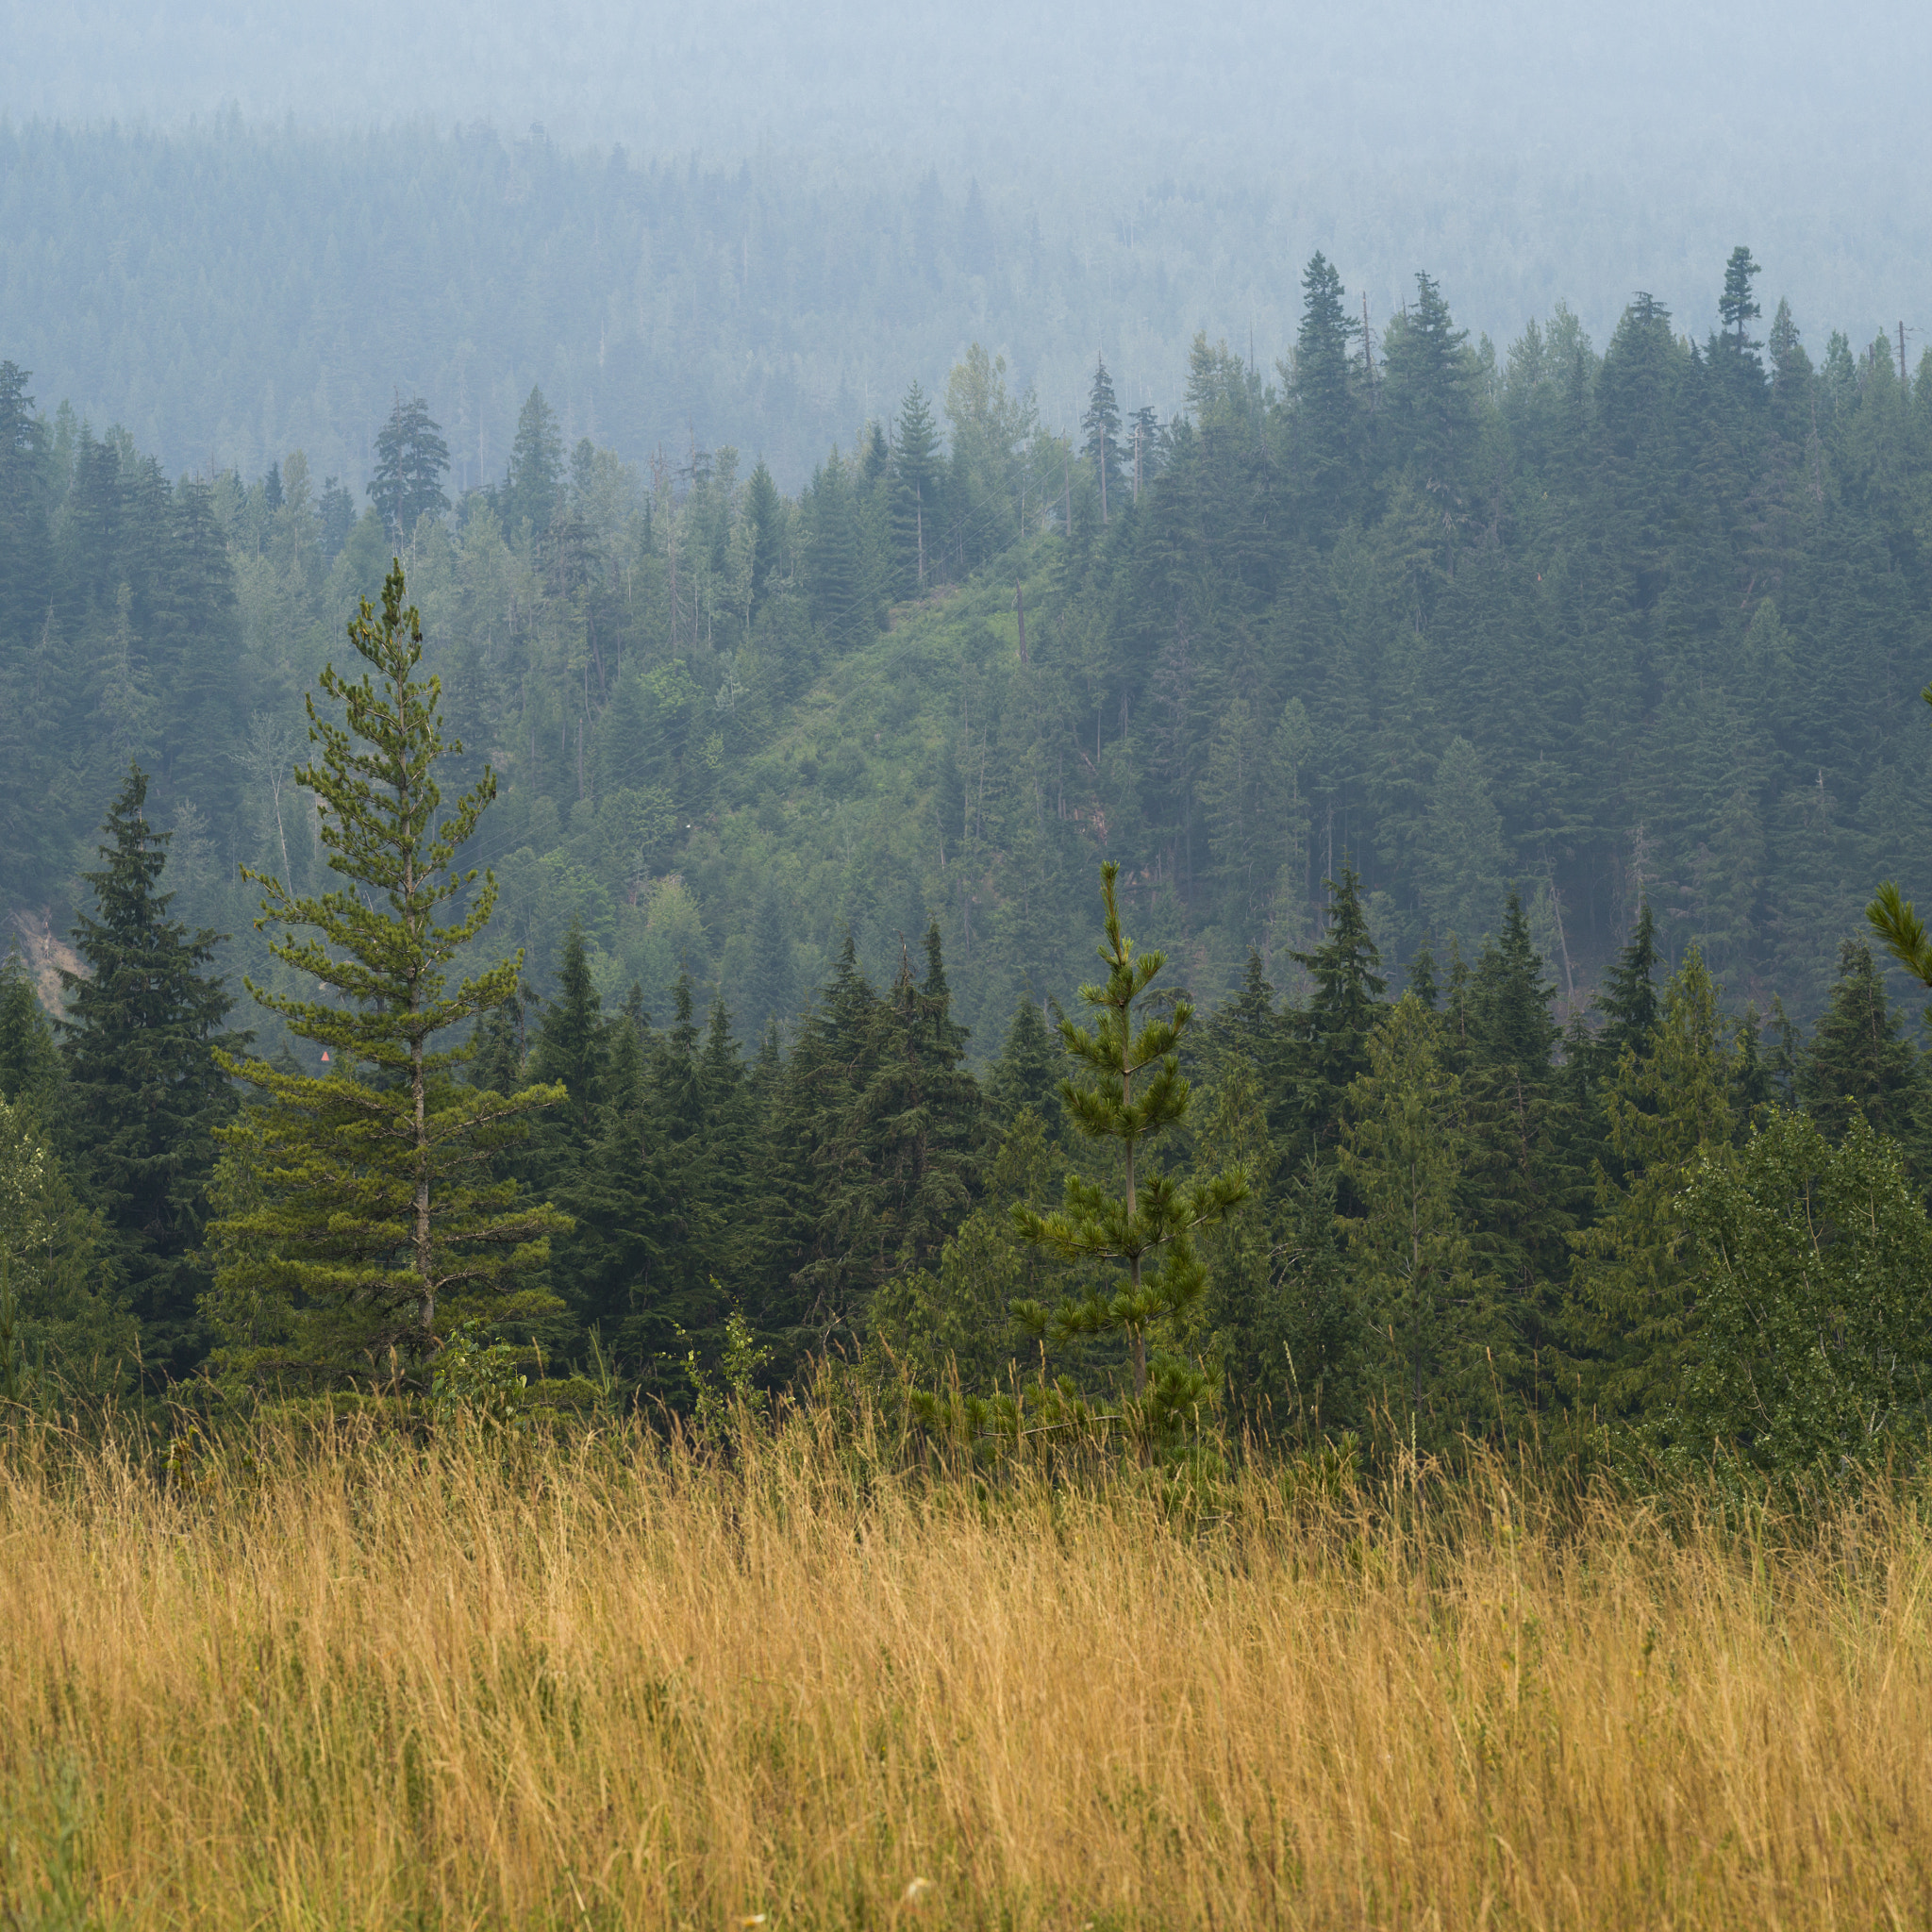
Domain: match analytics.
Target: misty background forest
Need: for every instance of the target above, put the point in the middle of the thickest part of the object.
(1449, 526)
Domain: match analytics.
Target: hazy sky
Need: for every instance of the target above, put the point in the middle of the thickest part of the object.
(1214, 87)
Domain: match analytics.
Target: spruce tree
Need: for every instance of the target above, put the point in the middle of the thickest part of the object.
(146, 1092)
(1150, 1225)
(363, 1201)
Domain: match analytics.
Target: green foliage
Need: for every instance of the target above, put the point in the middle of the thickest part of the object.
(1636, 1289)
(1814, 1292)
(30, 1065)
(356, 1196)
(1435, 1334)
(143, 1097)
(62, 1320)
(1151, 1224)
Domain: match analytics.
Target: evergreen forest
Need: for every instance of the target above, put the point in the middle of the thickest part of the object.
(1498, 750)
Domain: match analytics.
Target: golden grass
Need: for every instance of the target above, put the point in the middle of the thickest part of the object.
(372, 1685)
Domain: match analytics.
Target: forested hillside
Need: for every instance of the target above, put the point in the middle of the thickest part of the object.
(1643, 623)
(1566, 688)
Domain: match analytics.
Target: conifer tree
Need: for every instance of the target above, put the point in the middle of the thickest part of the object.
(60, 1312)
(1102, 424)
(1522, 1188)
(29, 1064)
(1325, 410)
(570, 1052)
(363, 1201)
(609, 1265)
(1026, 1073)
(1633, 1283)
(1628, 1001)
(411, 460)
(1814, 1299)
(1151, 1224)
(1859, 1064)
(916, 472)
(534, 477)
(1429, 1308)
(144, 1095)
(1330, 1039)
(923, 1106)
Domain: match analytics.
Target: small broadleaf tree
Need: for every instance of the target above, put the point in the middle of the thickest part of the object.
(1149, 1227)
(369, 1205)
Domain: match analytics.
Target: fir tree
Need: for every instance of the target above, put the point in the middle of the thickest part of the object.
(1102, 424)
(1027, 1073)
(1437, 1336)
(535, 479)
(916, 473)
(1329, 1038)
(144, 1093)
(1633, 1284)
(1859, 1064)
(1325, 414)
(411, 460)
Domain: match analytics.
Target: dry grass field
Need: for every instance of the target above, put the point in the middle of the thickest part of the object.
(601, 1684)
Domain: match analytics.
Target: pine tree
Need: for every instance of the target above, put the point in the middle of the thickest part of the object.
(1151, 1224)
(411, 460)
(144, 1095)
(361, 1200)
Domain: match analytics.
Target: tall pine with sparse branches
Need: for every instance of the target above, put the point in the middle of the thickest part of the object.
(365, 1201)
